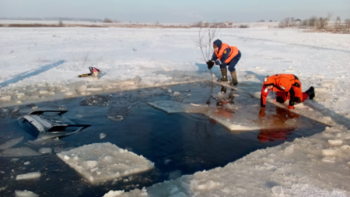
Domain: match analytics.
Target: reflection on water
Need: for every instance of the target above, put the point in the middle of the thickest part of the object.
(177, 143)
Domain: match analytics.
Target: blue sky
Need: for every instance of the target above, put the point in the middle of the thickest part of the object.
(177, 10)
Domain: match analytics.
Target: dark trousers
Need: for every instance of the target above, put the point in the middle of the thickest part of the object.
(233, 62)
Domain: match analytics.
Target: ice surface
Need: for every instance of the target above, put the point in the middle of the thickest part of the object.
(32, 175)
(18, 152)
(104, 161)
(318, 59)
(10, 143)
(45, 150)
(248, 118)
(25, 193)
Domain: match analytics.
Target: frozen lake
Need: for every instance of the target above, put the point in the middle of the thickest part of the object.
(177, 143)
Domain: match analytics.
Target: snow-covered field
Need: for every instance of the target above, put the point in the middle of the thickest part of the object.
(43, 64)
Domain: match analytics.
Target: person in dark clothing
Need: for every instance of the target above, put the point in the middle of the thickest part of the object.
(225, 55)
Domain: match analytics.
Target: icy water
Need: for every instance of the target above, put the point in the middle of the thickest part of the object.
(178, 144)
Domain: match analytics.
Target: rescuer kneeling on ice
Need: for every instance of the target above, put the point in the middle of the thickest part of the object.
(225, 55)
(286, 86)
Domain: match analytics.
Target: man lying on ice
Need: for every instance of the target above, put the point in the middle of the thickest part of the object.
(225, 55)
(286, 86)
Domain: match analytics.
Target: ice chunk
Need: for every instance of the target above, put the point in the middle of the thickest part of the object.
(10, 143)
(278, 191)
(114, 193)
(45, 150)
(248, 119)
(32, 175)
(335, 142)
(43, 92)
(5, 98)
(93, 89)
(329, 159)
(104, 161)
(25, 193)
(18, 152)
(26, 163)
(328, 152)
(289, 149)
(176, 94)
(102, 135)
(345, 147)
(169, 90)
(68, 93)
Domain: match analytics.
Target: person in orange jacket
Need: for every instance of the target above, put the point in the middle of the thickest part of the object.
(225, 55)
(286, 86)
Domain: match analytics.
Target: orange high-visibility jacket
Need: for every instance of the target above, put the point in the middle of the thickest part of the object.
(281, 83)
(224, 49)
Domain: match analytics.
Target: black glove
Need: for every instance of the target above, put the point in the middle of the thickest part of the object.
(210, 64)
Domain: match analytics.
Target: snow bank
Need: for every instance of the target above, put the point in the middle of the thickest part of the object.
(104, 161)
(32, 175)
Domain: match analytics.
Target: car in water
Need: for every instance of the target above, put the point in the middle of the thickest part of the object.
(46, 124)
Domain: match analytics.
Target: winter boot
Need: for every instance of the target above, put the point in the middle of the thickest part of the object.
(311, 92)
(234, 78)
(224, 75)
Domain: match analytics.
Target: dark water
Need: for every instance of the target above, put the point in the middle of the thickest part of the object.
(178, 144)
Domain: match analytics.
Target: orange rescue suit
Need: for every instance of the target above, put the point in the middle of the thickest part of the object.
(286, 86)
(223, 49)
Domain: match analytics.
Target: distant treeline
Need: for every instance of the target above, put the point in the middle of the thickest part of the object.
(318, 24)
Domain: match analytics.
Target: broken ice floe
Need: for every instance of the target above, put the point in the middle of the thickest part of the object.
(18, 152)
(104, 161)
(25, 193)
(31, 175)
(248, 118)
(10, 143)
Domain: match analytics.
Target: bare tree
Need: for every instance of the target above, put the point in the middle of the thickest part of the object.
(205, 41)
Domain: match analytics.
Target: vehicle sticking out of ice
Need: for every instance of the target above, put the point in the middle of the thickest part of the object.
(46, 124)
